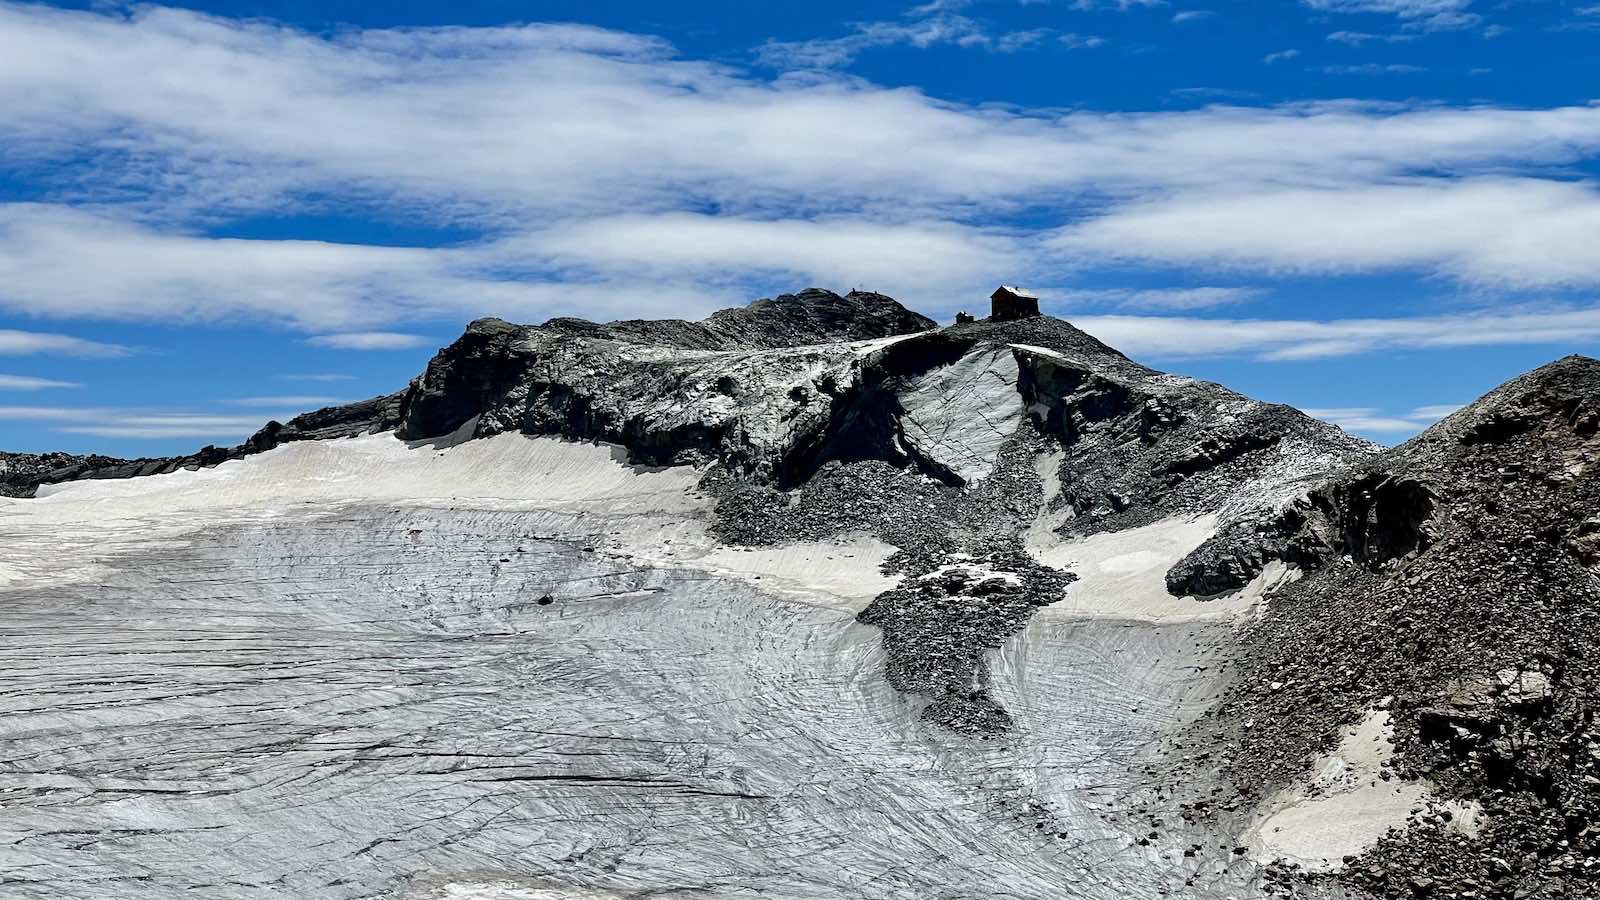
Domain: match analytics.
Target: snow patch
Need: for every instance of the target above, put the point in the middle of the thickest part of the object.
(844, 574)
(1122, 574)
(1345, 806)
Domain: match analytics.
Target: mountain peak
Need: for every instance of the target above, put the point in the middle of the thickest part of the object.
(812, 316)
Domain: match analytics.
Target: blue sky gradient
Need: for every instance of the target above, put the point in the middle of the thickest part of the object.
(216, 213)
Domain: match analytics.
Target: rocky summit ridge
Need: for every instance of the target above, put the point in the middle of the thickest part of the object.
(1440, 597)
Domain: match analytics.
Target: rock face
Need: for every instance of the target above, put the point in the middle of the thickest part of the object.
(809, 599)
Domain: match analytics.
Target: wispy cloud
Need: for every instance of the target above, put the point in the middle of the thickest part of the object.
(112, 422)
(369, 340)
(1372, 69)
(928, 25)
(1425, 15)
(1280, 56)
(1181, 337)
(1357, 38)
(293, 401)
(28, 343)
(318, 376)
(1082, 41)
(1372, 419)
(1457, 227)
(1192, 15)
(30, 383)
(1152, 299)
(1118, 5)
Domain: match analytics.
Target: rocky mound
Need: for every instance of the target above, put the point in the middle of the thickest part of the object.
(20, 473)
(1453, 587)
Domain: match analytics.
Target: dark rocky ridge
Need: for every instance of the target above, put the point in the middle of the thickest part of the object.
(1144, 440)
(812, 316)
(22, 473)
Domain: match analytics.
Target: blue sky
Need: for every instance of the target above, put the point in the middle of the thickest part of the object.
(216, 213)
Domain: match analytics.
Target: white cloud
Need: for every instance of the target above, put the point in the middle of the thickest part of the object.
(1405, 9)
(1280, 56)
(1118, 5)
(918, 257)
(1180, 337)
(1436, 411)
(1371, 419)
(1357, 38)
(1192, 15)
(288, 402)
(135, 423)
(1082, 41)
(1152, 299)
(496, 124)
(924, 26)
(369, 340)
(668, 264)
(28, 343)
(1372, 69)
(31, 383)
(1458, 227)
(1426, 15)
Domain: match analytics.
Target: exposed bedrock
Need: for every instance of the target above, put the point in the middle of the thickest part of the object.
(1388, 511)
(1376, 519)
(1140, 445)
(755, 389)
